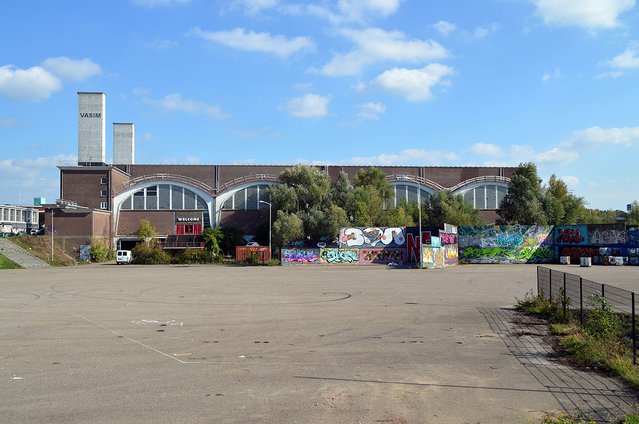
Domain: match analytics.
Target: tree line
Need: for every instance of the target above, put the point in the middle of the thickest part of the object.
(310, 206)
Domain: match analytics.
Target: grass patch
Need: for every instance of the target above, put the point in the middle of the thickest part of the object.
(567, 419)
(40, 247)
(6, 263)
(603, 342)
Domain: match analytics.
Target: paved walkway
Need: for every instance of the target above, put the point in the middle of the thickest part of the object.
(580, 392)
(20, 256)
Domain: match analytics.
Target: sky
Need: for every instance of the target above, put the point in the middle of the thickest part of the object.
(344, 82)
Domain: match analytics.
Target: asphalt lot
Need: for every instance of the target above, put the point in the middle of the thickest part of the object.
(219, 344)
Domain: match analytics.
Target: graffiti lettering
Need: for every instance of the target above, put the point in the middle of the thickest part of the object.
(302, 256)
(608, 237)
(382, 256)
(578, 252)
(447, 238)
(451, 255)
(372, 236)
(569, 236)
(336, 256)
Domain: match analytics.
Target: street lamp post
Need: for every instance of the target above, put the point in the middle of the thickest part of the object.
(270, 251)
(52, 212)
(421, 242)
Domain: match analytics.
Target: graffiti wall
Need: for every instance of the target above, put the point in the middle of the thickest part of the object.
(506, 244)
(451, 255)
(382, 256)
(605, 235)
(372, 237)
(571, 235)
(300, 256)
(339, 256)
(433, 257)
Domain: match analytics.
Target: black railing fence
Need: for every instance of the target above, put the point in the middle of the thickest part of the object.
(579, 295)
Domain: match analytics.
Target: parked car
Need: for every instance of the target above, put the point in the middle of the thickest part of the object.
(123, 257)
(37, 231)
(252, 243)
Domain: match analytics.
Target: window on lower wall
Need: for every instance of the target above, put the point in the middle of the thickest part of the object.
(104, 205)
(248, 198)
(487, 196)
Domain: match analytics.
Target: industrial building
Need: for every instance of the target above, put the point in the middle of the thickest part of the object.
(181, 200)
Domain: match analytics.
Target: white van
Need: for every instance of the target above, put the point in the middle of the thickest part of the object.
(123, 257)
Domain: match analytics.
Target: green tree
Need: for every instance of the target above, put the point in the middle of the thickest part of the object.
(146, 231)
(523, 204)
(287, 228)
(213, 237)
(376, 178)
(447, 208)
(633, 215)
(342, 191)
(560, 205)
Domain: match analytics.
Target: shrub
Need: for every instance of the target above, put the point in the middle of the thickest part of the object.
(100, 252)
(602, 322)
(193, 256)
(150, 254)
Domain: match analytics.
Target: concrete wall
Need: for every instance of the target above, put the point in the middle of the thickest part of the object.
(123, 143)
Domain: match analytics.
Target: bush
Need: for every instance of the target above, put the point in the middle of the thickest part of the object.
(193, 256)
(602, 322)
(539, 305)
(150, 254)
(100, 252)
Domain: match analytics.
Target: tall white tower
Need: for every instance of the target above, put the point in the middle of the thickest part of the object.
(123, 143)
(91, 128)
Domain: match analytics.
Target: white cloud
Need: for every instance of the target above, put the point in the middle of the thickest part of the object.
(611, 74)
(253, 7)
(307, 106)
(193, 160)
(406, 157)
(629, 59)
(27, 178)
(600, 137)
(174, 101)
(482, 32)
(7, 122)
(34, 83)
(556, 155)
(414, 84)
(588, 14)
(570, 181)
(72, 69)
(488, 149)
(547, 76)
(264, 42)
(444, 27)
(155, 3)
(164, 44)
(351, 11)
(371, 110)
(377, 45)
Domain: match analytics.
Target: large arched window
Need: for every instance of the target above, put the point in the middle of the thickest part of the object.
(485, 196)
(164, 197)
(247, 198)
(408, 193)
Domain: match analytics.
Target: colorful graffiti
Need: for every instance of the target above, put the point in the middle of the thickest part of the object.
(372, 236)
(382, 256)
(577, 234)
(506, 244)
(433, 257)
(447, 238)
(339, 256)
(300, 256)
(608, 236)
(451, 255)
(633, 238)
(576, 252)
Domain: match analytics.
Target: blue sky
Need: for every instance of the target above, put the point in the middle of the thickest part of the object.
(370, 82)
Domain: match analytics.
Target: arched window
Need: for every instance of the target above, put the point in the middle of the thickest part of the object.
(248, 198)
(164, 197)
(487, 196)
(408, 193)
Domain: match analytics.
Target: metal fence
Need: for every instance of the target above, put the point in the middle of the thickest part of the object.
(575, 294)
